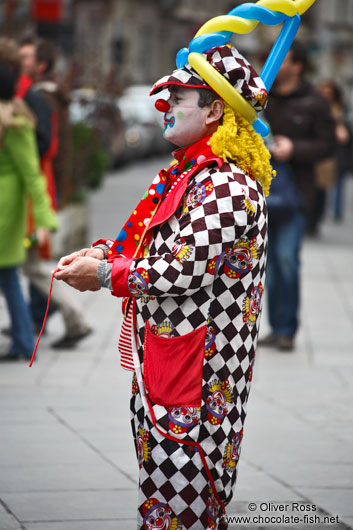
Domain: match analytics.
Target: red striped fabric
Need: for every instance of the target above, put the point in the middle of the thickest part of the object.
(125, 341)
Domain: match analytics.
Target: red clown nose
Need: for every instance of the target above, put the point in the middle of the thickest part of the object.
(162, 105)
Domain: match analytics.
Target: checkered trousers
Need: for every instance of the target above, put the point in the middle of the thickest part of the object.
(197, 320)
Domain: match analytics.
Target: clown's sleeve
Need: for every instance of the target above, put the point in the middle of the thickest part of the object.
(216, 214)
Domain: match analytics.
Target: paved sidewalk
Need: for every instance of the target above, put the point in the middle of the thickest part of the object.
(66, 456)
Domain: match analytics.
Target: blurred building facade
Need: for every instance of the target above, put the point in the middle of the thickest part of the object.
(112, 43)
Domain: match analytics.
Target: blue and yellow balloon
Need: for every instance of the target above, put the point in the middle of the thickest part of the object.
(244, 19)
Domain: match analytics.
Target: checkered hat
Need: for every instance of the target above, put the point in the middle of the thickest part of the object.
(232, 65)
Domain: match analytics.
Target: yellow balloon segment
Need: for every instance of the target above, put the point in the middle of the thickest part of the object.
(227, 23)
(238, 25)
(303, 5)
(241, 25)
(283, 6)
(221, 86)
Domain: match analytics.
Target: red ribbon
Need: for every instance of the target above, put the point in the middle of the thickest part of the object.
(45, 318)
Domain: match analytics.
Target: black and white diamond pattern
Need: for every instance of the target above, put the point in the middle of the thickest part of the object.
(188, 296)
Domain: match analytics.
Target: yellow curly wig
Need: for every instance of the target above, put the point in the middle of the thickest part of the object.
(236, 140)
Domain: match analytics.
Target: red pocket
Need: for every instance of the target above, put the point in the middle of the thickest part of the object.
(173, 366)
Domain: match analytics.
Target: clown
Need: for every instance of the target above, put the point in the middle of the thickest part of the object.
(207, 210)
(252, 305)
(143, 447)
(232, 451)
(181, 250)
(238, 260)
(138, 282)
(183, 418)
(158, 516)
(197, 195)
(191, 260)
(216, 403)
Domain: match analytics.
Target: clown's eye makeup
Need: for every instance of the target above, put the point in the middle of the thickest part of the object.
(176, 100)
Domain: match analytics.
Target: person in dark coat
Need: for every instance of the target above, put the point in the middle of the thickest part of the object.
(41, 110)
(303, 133)
(38, 62)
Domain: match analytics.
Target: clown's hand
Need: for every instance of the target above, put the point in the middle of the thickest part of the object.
(282, 148)
(43, 236)
(96, 253)
(81, 274)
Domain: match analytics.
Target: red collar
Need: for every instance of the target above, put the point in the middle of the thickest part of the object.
(194, 155)
(191, 159)
(163, 197)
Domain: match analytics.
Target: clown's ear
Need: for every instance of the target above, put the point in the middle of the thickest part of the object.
(215, 111)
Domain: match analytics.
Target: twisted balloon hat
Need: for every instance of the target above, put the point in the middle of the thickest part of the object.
(244, 19)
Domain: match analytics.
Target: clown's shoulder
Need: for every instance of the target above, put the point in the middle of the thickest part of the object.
(229, 180)
(229, 171)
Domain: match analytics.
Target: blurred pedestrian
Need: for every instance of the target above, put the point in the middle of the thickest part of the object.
(20, 178)
(43, 115)
(45, 118)
(303, 133)
(38, 63)
(344, 137)
(38, 60)
(41, 110)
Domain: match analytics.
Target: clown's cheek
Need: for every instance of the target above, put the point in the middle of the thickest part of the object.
(173, 129)
(188, 128)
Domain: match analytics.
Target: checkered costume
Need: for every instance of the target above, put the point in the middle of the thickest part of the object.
(197, 290)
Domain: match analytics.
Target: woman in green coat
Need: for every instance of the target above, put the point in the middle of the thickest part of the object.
(20, 180)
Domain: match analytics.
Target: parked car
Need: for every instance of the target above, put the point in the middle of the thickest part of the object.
(143, 123)
(100, 112)
(129, 127)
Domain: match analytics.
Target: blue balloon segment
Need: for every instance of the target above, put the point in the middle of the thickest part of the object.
(276, 57)
(122, 236)
(203, 43)
(182, 57)
(261, 127)
(260, 13)
(279, 50)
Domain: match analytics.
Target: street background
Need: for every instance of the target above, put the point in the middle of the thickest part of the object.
(67, 460)
(110, 44)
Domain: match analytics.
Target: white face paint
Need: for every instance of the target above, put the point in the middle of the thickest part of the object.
(185, 121)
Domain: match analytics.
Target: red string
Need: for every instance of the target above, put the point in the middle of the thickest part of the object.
(45, 318)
